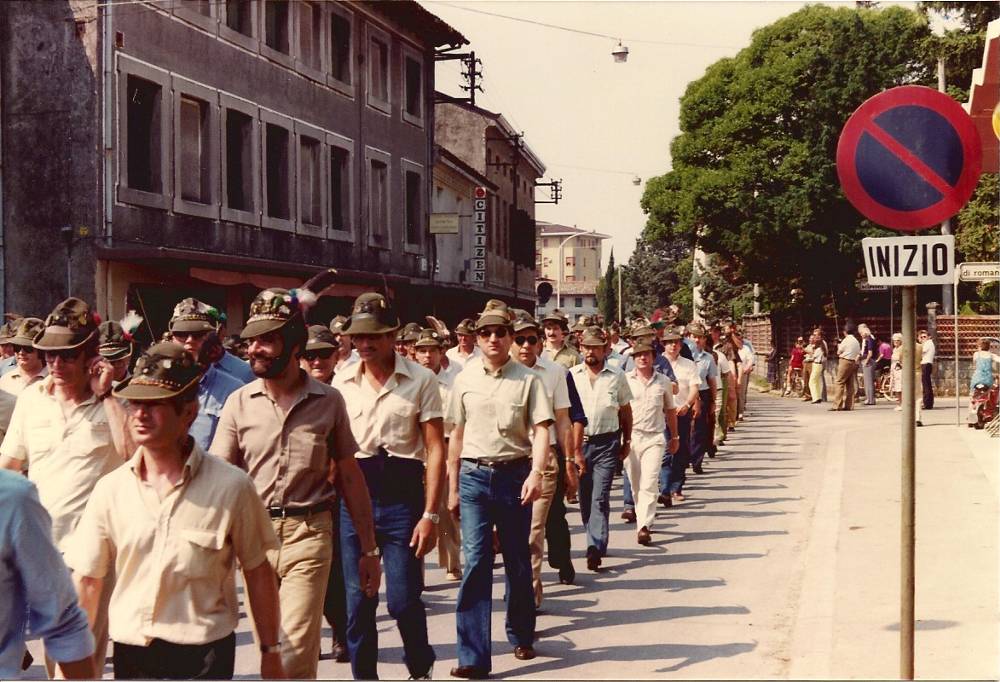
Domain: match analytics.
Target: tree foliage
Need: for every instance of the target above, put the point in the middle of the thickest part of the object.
(754, 176)
(962, 45)
(607, 291)
(658, 274)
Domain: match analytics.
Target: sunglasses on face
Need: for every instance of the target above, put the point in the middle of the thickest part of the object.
(27, 350)
(67, 355)
(500, 332)
(521, 340)
(184, 336)
(324, 354)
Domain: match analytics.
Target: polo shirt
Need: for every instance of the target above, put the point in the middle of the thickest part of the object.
(287, 454)
(498, 410)
(601, 397)
(650, 397)
(390, 417)
(174, 559)
(65, 453)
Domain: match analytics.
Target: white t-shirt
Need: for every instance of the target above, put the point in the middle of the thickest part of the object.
(687, 374)
(927, 352)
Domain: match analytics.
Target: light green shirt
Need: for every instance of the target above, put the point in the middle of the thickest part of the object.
(498, 410)
(601, 398)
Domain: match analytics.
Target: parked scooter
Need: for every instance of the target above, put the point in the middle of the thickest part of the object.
(983, 408)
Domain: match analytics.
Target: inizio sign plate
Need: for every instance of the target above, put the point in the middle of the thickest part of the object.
(909, 261)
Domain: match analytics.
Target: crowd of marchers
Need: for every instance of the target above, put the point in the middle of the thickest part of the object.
(136, 483)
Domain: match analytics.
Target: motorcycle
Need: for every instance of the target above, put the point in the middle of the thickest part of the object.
(983, 408)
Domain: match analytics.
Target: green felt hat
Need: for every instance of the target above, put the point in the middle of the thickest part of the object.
(26, 330)
(164, 371)
(70, 325)
(371, 314)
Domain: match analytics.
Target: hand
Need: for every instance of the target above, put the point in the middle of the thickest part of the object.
(572, 484)
(454, 508)
(101, 374)
(271, 667)
(683, 410)
(424, 537)
(532, 488)
(696, 409)
(624, 450)
(674, 445)
(581, 465)
(369, 575)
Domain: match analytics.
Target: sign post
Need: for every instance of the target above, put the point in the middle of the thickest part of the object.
(907, 159)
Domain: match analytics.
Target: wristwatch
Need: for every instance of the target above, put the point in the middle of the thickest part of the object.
(433, 518)
(374, 553)
(270, 648)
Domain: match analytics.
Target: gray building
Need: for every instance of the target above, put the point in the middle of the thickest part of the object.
(152, 151)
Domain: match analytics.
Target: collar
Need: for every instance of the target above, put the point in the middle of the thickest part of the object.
(46, 386)
(634, 374)
(503, 371)
(400, 367)
(191, 466)
(311, 387)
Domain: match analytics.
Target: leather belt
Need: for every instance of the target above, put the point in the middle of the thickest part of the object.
(285, 512)
(497, 464)
(597, 437)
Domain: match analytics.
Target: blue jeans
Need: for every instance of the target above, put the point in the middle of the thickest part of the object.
(672, 474)
(396, 489)
(701, 437)
(627, 499)
(492, 497)
(601, 454)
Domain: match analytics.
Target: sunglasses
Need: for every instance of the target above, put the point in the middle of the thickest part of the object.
(521, 340)
(66, 355)
(184, 336)
(27, 350)
(323, 354)
(500, 332)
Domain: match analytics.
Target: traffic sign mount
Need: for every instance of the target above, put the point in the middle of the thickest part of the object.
(909, 158)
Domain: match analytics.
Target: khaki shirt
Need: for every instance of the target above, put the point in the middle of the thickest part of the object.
(12, 384)
(287, 454)
(65, 453)
(445, 380)
(650, 397)
(391, 417)
(601, 397)
(173, 558)
(498, 410)
(566, 356)
(553, 376)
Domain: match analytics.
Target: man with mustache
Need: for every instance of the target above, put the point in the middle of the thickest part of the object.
(293, 435)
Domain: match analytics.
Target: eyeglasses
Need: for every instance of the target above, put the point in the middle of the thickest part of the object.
(184, 336)
(67, 355)
(499, 332)
(521, 340)
(322, 354)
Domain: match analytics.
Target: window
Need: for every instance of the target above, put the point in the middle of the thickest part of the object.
(578, 301)
(340, 185)
(570, 262)
(378, 69)
(413, 183)
(240, 161)
(144, 135)
(310, 38)
(413, 88)
(198, 12)
(193, 157)
(278, 171)
(239, 23)
(310, 182)
(196, 149)
(144, 176)
(340, 47)
(277, 30)
(378, 198)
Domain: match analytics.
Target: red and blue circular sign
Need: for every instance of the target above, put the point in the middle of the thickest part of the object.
(909, 158)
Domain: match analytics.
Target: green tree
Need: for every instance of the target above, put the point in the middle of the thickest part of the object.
(658, 274)
(754, 176)
(961, 46)
(977, 238)
(607, 291)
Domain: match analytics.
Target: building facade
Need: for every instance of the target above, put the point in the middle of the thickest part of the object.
(153, 151)
(574, 255)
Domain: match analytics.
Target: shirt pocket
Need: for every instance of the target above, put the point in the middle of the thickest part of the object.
(510, 416)
(309, 449)
(400, 420)
(199, 552)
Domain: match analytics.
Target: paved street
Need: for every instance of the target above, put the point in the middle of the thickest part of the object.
(782, 563)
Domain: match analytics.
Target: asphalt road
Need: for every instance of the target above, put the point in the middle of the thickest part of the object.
(783, 562)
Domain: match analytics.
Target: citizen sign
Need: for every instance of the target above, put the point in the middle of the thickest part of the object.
(909, 261)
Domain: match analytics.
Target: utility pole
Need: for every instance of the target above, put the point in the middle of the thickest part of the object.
(471, 72)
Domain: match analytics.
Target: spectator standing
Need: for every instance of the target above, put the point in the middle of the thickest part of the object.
(807, 362)
(816, 378)
(795, 361)
(896, 379)
(848, 352)
(869, 351)
(927, 352)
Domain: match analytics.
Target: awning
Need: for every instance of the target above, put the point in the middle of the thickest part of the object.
(984, 96)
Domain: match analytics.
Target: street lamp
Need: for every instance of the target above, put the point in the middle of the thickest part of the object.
(620, 53)
(560, 280)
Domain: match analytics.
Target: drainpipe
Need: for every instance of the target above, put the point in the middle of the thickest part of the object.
(108, 136)
(3, 248)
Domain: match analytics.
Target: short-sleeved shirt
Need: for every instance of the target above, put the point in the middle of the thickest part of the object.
(601, 398)
(391, 416)
(650, 397)
(287, 454)
(566, 356)
(65, 453)
(554, 378)
(746, 359)
(236, 367)
(174, 558)
(796, 359)
(707, 368)
(213, 390)
(458, 359)
(8, 364)
(498, 409)
(927, 351)
(849, 348)
(12, 384)
(445, 380)
(687, 374)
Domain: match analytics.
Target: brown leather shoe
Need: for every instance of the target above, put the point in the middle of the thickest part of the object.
(677, 497)
(524, 653)
(665, 500)
(470, 672)
(644, 537)
(593, 559)
(629, 515)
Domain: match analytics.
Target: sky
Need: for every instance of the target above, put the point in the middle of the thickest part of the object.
(594, 123)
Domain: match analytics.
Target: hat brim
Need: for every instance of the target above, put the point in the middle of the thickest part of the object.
(57, 340)
(21, 341)
(191, 326)
(594, 344)
(114, 353)
(130, 390)
(521, 326)
(427, 344)
(319, 345)
(259, 327)
(368, 326)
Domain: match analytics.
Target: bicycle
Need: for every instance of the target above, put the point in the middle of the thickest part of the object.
(796, 385)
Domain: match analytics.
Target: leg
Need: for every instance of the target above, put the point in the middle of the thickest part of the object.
(536, 539)
(927, 385)
(335, 603)
(475, 601)
(587, 483)
(679, 460)
(361, 635)
(650, 457)
(604, 460)
(513, 521)
(634, 471)
(852, 385)
(556, 528)
(628, 497)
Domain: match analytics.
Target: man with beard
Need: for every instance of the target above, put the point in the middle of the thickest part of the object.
(395, 416)
(496, 458)
(606, 397)
(293, 435)
(556, 327)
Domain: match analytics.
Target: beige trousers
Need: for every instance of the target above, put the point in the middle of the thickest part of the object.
(847, 384)
(645, 459)
(449, 542)
(303, 567)
(539, 517)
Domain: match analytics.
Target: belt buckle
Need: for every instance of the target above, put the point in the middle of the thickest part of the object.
(281, 514)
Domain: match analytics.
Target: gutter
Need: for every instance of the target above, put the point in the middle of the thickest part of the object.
(107, 37)
(3, 248)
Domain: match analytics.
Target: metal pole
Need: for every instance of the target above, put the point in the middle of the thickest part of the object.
(620, 293)
(946, 300)
(907, 498)
(958, 402)
(892, 315)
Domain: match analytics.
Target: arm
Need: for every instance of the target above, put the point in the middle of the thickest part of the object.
(532, 488)
(262, 591)
(675, 439)
(454, 453)
(354, 491)
(625, 423)
(101, 375)
(11, 463)
(425, 532)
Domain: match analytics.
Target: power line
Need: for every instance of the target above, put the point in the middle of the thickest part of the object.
(592, 34)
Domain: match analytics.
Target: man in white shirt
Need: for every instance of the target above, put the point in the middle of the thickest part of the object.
(848, 352)
(466, 348)
(927, 352)
(652, 412)
(618, 344)
(688, 404)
